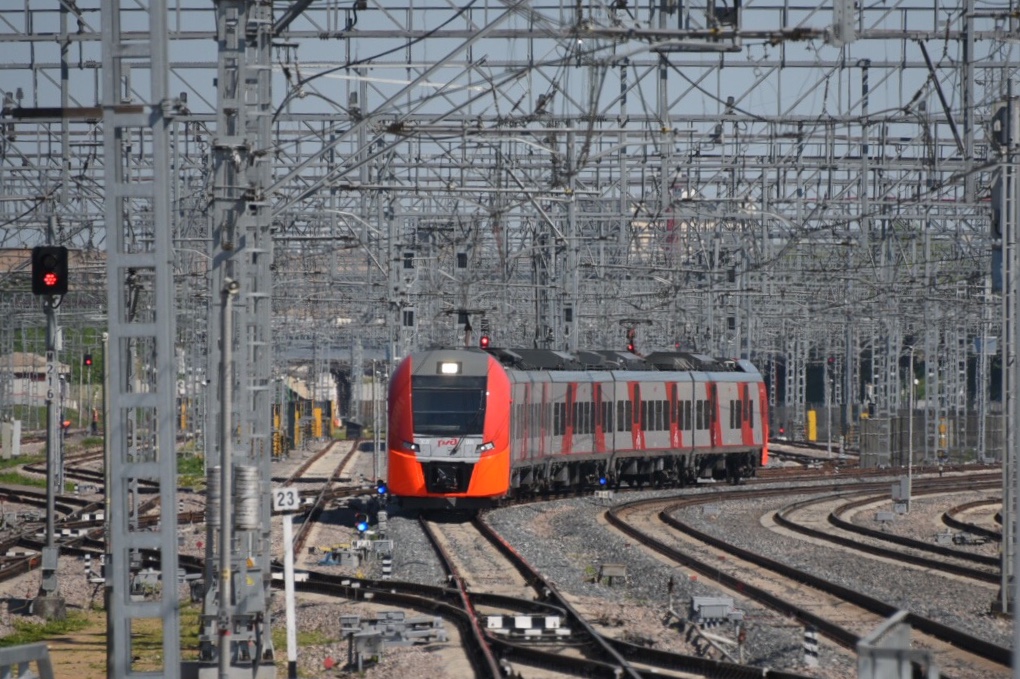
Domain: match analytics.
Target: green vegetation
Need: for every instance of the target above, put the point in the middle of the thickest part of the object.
(24, 459)
(80, 340)
(191, 620)
(304, 638)
(16, 479)
(190, 470)
(28, 632)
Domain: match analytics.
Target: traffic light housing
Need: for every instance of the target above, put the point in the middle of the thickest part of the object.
(86, 360)
(361, 522)
(483, 341)
(49, 270)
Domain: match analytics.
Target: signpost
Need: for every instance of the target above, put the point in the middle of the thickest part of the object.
(288, 501)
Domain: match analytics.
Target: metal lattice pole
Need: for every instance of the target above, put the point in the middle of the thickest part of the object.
(141, 326)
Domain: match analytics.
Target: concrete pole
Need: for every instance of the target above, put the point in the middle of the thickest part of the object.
(230, 290)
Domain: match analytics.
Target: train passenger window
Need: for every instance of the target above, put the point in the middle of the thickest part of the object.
(628, 411)
(609, 417)
(750, 414)
(658, 415)
(738, 414)
(699, 414)
(619, 416)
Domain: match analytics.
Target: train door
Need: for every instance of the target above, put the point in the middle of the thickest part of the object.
(655, 416)
(518, 418)
(685, 412)
(582, 419)
(730, 408)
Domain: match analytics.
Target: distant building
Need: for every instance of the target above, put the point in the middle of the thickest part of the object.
(26, 375)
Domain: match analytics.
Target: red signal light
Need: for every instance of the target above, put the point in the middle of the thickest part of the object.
(49, 270)
(630, 347)
(483, 342)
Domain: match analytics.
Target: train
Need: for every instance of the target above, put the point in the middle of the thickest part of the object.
(471, 427)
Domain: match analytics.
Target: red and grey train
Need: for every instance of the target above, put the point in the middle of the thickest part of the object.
(470, 426)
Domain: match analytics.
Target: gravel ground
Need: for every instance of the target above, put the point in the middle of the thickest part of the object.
(924, 520)
(640, 606)
(951, 601)
(566, 541)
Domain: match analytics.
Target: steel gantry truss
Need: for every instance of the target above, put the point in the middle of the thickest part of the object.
(793, 183)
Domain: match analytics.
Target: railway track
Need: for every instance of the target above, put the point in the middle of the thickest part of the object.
(978, 567)
(789, 591)
(952, 520)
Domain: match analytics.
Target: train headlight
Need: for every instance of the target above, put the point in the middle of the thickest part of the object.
(449, 368)
(485, 447)
(413, 447)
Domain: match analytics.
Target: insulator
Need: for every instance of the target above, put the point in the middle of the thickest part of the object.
(246, 497)
(212, 497)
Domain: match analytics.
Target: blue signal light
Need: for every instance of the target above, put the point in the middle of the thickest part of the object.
(362, 526)
(381, 488)
(602, 480)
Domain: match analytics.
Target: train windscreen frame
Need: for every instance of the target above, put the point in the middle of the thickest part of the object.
(448, 406)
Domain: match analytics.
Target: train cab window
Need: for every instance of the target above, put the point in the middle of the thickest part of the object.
(445, 405)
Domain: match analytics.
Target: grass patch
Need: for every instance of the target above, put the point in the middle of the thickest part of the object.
(24, 459)
(16, 479)
(191, 621)
(309, 638)
(190, 471)
(28, 632)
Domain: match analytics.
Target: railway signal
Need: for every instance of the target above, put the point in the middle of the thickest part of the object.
(380, 487)
(361, 522)
(86, 360)
(49, 270)
(483, 341)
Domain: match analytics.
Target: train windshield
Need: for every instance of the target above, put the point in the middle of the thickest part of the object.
(448, 405)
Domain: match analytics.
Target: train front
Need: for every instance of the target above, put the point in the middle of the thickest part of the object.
(449, 443)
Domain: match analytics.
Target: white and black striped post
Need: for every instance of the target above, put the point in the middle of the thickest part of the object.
(387, 566)
(88, 566)
(810, 647)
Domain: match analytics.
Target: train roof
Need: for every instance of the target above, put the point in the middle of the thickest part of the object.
(677, 361)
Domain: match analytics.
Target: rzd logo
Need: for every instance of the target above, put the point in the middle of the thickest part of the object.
(446, 442)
